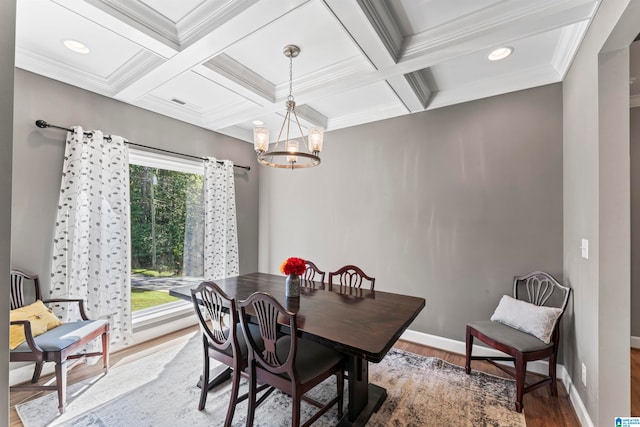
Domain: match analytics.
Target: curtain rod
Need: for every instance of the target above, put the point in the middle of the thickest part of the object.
(43, 124)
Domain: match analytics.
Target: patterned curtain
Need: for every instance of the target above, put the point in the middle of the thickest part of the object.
(91, 242)
(220, 233)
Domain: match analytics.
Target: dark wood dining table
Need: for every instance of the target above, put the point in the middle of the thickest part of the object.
(360, 323)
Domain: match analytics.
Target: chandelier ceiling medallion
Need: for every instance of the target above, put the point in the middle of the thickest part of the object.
(289, 152)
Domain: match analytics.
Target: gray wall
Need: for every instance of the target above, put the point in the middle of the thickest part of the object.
(447, 204)
(38, 156)
(7, 55)
(634, 118)
(597, 207)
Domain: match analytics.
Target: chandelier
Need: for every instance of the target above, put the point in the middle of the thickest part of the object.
(289, 152)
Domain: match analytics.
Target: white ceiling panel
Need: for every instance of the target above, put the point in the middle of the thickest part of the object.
(196, 91)
(43, 27)
(173, 10)
(306, 27)
(360, 61)
(347, 108)
(528, 53)
(417, 16)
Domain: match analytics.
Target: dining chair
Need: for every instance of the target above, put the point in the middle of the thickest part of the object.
(313, 273)
(350, 276)
(222, 342)
(37, 335)
(287, 362)
(526, 328)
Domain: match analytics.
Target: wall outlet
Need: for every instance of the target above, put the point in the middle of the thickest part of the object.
(584, 374)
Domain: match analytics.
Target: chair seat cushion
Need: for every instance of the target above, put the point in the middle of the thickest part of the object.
(312, 358)
(521, 341)
(63, 336)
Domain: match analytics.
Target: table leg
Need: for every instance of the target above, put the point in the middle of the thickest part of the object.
(220, 374)
(364, 398)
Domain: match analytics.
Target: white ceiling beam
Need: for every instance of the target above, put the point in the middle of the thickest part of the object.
(384, 24)
(412, 89)
(467, 42)
(374, 30)
(210, 45)
(311, 117)
(229, 73)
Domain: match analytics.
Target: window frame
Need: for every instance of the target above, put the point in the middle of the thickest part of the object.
(169, 311)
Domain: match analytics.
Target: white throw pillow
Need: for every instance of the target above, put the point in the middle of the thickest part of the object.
(538, 321)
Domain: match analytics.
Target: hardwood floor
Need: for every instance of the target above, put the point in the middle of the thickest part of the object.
(635, 382)
(540, 408)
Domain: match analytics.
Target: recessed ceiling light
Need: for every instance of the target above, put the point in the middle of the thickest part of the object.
(500, 53)
(258, 123)
(76, 46)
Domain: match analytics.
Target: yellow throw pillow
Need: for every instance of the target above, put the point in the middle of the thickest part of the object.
(41, 318)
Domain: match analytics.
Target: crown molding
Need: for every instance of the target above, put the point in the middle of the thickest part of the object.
(497, 85)
(350, 67)
(384, 24)
(135, 68)
(65, 73)
(207, 17)
(498, 24)
(231, 71)
(142, 17)
(238, 133)
(168, 108)
(570, 39)
(412, 89)
(311, 116)
(377, 113)
(198, 22)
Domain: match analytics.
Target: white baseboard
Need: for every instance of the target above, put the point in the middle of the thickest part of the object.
(576, 401)
(635, 342)
(459, 347)
(540, 367)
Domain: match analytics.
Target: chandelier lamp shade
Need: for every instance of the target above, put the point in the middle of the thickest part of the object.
(289, 152)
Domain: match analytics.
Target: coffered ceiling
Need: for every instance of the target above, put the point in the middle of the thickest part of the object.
(219, 64)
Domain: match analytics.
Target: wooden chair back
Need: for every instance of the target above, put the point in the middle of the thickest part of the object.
(269, 314)
(350, 276)
(17, 290)
(221, 340)
(212, 306)
(277, 359)
(541, 289)
(313, 273)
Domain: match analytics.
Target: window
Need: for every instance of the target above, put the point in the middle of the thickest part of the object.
(167, 228)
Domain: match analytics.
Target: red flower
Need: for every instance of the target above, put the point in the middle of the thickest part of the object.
(293, 265)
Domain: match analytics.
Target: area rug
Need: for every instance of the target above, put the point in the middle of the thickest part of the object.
(159, 390)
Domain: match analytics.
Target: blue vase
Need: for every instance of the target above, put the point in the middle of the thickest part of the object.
(292, 288)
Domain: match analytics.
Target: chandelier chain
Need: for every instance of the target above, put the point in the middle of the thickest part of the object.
(290, 97)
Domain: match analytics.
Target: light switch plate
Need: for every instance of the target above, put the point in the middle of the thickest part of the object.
(585, 248)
